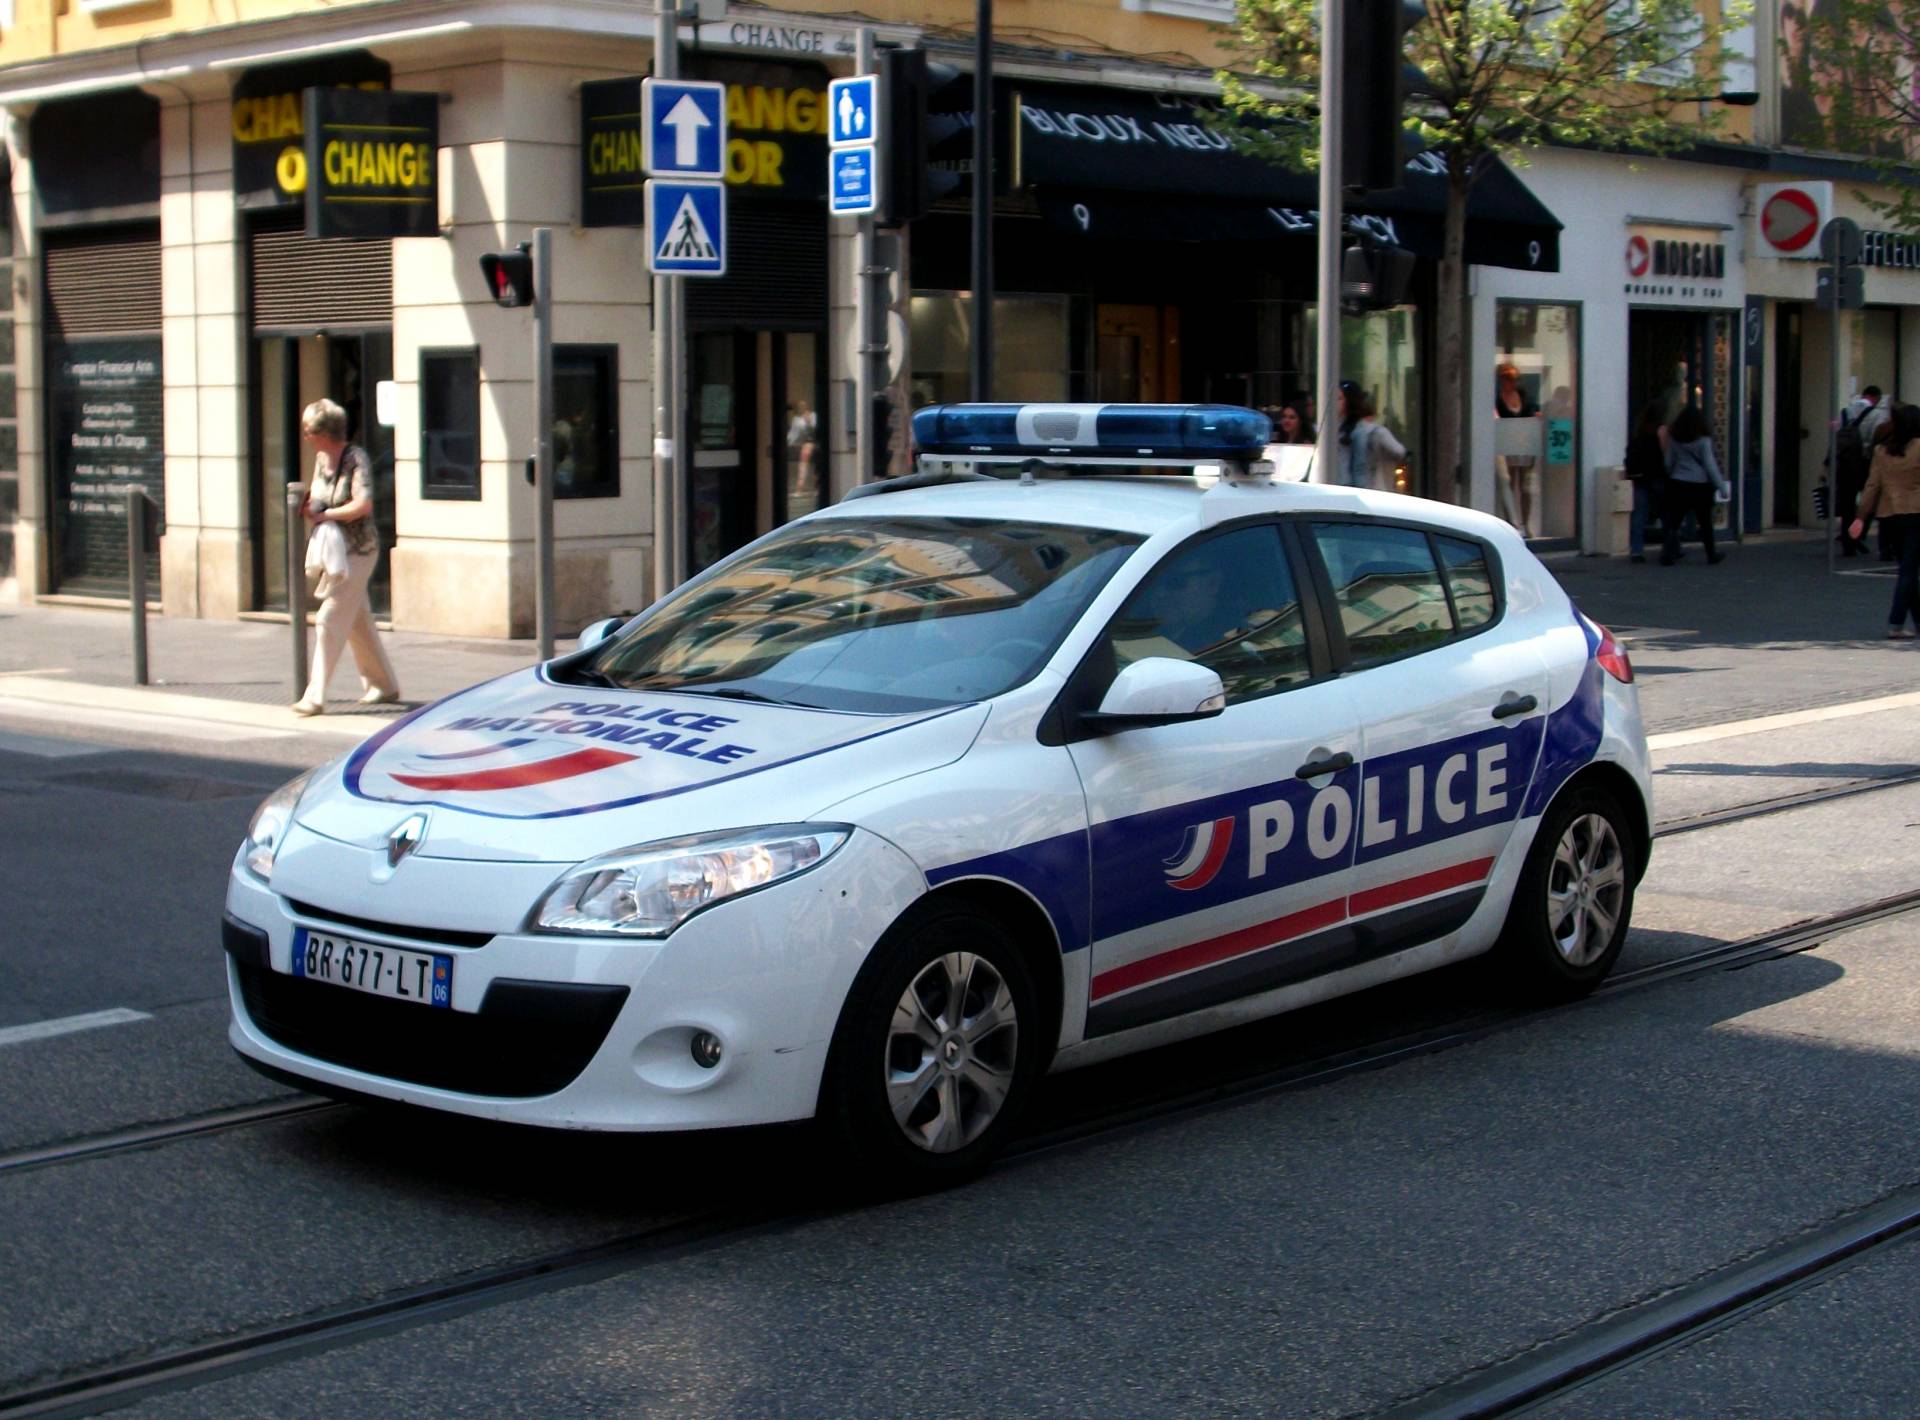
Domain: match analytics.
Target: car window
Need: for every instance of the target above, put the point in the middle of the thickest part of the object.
(1469, 581)
(1227, 603)
(1386, 588)
(876, 614)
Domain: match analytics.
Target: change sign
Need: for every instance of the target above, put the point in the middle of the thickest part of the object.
(269, 123)
(373, 167)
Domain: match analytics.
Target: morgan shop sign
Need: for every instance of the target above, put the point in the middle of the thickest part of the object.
(1679, 263)
(270, 124)
(373, 164)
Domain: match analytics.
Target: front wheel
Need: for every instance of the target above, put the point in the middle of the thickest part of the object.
(1568, 919)
(936, 1050)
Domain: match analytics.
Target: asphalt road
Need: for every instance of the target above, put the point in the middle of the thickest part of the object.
(1329, 1250)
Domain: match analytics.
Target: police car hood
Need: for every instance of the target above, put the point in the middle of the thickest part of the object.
(522, 769)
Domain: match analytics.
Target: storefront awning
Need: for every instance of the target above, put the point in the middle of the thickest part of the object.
(1103, 162)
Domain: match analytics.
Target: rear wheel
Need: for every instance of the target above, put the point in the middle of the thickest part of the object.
(936, 1050)
(1570, 909)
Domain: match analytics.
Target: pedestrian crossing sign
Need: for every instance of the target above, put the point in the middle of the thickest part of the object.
(686, 228)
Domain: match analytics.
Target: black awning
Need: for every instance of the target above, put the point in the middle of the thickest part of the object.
(1102, 162)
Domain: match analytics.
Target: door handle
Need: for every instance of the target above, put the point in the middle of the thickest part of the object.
(1507, 709)
(1332, 764)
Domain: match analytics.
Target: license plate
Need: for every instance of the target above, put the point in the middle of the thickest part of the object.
(425, 978)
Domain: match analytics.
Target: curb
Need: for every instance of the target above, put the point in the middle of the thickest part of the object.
(165, 705)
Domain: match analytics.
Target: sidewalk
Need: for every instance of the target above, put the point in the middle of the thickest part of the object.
(1769, 630)
(233, 672)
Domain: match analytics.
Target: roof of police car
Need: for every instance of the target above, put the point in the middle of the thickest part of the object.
(1148, 504)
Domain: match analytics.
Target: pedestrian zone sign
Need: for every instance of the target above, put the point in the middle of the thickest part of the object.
(851, 108)
(852, 186)
(686, 228)
(685, 130)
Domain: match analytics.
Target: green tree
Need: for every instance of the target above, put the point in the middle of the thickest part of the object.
(1501, 77)
(1849, 85)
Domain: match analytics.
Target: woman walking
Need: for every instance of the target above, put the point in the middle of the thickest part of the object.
(341, 493)
(1365, 444)
(1693, 478)
(1893, 491)
(1647, 472)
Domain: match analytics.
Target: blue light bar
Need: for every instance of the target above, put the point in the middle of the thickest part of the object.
(1107, 431)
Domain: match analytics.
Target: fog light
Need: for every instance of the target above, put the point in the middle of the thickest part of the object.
(706, 1049)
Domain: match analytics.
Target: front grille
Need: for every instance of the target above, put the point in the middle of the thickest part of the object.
(444, 936)
(528, 1037)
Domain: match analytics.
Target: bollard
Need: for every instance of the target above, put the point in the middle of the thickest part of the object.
(137, 577)
(297, 584)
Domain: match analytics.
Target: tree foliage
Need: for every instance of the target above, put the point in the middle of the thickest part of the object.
(1849, 86)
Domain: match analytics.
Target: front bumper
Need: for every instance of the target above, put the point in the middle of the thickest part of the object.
(573, 1032)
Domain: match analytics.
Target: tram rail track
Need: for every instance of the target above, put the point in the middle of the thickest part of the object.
(90, 1391)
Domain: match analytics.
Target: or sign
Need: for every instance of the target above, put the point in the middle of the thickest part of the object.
(686, 228)
(1560, 441)
(612, 154)
(373, 164)
(1840, 241)
(686, 128)
(852, 181)
(853, 107)
(106, 427)
(270, 127)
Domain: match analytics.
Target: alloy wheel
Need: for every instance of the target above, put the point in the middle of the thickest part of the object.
(1586, 889)
(951, 1048)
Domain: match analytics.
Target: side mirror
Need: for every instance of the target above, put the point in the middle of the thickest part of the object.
(595, 632)
(1159, 691)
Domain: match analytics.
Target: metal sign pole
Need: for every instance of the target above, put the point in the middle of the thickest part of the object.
(668, 411)
(863, 431)
(982, 381)
(1833, 426)
(1326, 408)
(543, 473)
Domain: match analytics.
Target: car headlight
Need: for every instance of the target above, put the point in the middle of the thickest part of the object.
(648, 890)
(270, 824)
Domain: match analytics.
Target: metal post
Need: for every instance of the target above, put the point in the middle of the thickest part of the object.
(137, 577)
(543, 475)
(297, 584)
(1326, 459)
(1833, 423)
(668, 403)
(982, 382)
(863, 301)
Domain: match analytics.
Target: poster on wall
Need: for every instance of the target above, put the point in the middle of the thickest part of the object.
(104, 405)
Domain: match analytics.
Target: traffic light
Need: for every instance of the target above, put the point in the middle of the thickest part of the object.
(510, 275)
(1374, 91)
(1375, 277)
(928, 133)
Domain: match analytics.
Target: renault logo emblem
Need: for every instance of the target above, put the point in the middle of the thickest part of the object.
(405, 838)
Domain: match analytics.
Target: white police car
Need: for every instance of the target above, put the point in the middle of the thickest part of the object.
(925, 794)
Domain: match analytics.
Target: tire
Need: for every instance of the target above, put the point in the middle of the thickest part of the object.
(910, 1100)
(1560, 941)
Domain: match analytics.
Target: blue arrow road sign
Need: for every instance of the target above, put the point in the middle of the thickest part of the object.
(686, 228)
(851, 181)
(852, 107)
(685, 129)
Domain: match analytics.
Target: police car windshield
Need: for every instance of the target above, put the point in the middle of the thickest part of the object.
(875, 615)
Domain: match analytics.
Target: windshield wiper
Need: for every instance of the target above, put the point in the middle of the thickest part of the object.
(732, 692)
(587, 675)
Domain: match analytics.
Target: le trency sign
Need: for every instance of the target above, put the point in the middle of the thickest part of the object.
(373, 164)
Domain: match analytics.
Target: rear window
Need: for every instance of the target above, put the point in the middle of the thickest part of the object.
(1386, 588)
(1469, 580)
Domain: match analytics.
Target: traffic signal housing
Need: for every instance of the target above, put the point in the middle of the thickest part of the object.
(1375, 277)
(510, 275)
(927, 136)
(1374, 91)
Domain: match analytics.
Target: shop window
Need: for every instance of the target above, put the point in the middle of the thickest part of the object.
(1536, 429)
(1380, 352)
(1032, 355)
(586, 442)
(450, 424)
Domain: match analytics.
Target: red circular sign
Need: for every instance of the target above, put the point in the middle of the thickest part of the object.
(1790, 220)
(1639, 256)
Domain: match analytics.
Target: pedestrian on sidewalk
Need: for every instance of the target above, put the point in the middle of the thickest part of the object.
(1368, 453)
(1646, 470)
(1860, 419)
(1893, 492)
(341, 493)
(1694, 483)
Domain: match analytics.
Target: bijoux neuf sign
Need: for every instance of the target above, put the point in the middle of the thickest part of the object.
(373, 165)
